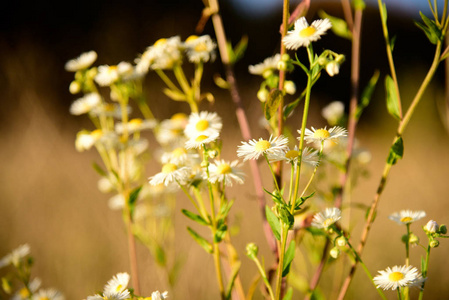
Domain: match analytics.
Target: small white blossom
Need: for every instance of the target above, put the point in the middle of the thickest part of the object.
(398, 277)
(407, 216)
(326, 219)
(200, 48)
(303, 34)
(85, 104)
(84, 61)
(266, 67)
(253, 149)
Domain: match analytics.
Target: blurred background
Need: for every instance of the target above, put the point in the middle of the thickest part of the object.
(48, 190)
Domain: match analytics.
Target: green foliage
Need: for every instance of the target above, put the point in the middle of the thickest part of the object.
(288, 258)
(392, 97)
(339, 26)
(430, 28)
(200, 240)
(195, 217)
(289, 294)
(132, 199)
(274, 223)
(272, 104)
(367, 94)
(396, 151)
(221, 231)
(286, 217)
(99, 169)
(234, 273)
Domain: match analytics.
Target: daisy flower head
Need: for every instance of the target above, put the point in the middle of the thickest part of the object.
(398, 277)
(197, 142)
(171, 173)
(159, 296)
(108, 75)
(303, 33)
(84, 61)
(225, 172)
(26, 292)
(165, 53)
(85, 104)
(292, 156)
(326, 218)
(200, 48)
(407, 216)
(203, 123)
(117, 284)
(15, 256)
(253, 149)
(266, 67)
(322, 135)
(48, 294)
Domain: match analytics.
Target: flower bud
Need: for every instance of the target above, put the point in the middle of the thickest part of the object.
(262, 95)
(285, 57)
(74, 87)
(282, 65)
(413, 240)
(341, 241)
(340, 58)
(204, 164)
(443, 229)
(322, 61)
(252, 250)
(335, 252)
(213, 153)
(332, 68)
(431, 227)
(290, 87)
(267, 73)
(434, 243)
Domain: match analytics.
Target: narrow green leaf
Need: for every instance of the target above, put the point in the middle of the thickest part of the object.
(396, 151)
(160, 256)
(234, 272)
(383, 13)
(272, 104)
(286, 217)
(240, 49)
(433, 29)
(301, 200)
(253, 287)
(288, 258)
(317, 295)
(99, 169)
(132, 199)
(230, 51)
(392, 99)
(367, 94)
(220, 82)
(200, 240)
(289, 294)
(274, 223)
(221, 231)
(225, 208)
(175, 270)
(195, 217)
(393, 42)
(339, 26)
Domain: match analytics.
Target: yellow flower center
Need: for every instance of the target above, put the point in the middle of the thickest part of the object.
(262, 145)
(24, 293)
(135, 122)
(96, 134)
(178, 117)
(224, 169)
(328, 222)
(321, 134)
(178, 152)
(191, 38)
(119, 288)
(292, 154)
(160, 42)
(406, 219)
(201, 138)
(307, 32)
(201, 47)
(109, 107)
(202, 125)
(168, 168)
(44, 298)
(395, 276)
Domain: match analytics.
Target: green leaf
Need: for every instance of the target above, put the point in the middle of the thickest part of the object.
(359, 4)
(431, 29)
(396, 151)
(276, 197)
(221, 231)
(367, 94)
(289, 294)
(220, 82)
(383, 13)
(288, 258)
(132, 199)
(234, 273)
(200, 240)
(339, 26)
(240, 49)
(175, 270)
(317, 295)
(160, 255)
(225, 208)
(274, 223)
(195, 217)
(174, 95)
(272, 104)
(99, 169)
(286, 217)
(392, 99)
(302, 200)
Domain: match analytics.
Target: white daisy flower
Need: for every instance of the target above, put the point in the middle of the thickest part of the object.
(158, 296)
(171, 173)
(84, 61)
(397, 277)
(15, 256)
(407, 216)
(326, 219)
(253, 149)
(266, 67)
(322, 135)
(303, 34)
(85, 104)
(85, 139)
(117, 284)
(292, 156)
(224, 171)
(200, 140)
(48, 294)
(200, 48)
(333, 112)
(164, 54)
(108, 75)
(135, 125)
(179, 156)
(25, 293)
(203, 123)
(116, 296)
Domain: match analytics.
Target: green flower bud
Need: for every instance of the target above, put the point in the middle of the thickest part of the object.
(413, 239)
(282, 65)
(404, 238)
(322, 61)
(285, 57)
(213, 154)
(252, 250)
(341, 241)
(340, 58)
(74, 87)
(204, 164)
(442, 229)
(267, 73)
(434, 243)
(335, 252)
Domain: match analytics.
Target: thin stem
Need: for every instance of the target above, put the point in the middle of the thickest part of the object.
(348, 13)
(272, 173)
(264, 277)
(407, 246)
(424, 272)
(167, 80)
(399, 293)
(284, 233)
(133, 258)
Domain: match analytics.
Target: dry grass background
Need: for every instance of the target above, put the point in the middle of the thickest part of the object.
(49, 196)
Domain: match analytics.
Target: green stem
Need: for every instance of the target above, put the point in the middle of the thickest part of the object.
(399, 294)
(167, 80)
(284, 233)
(424, 272)
(264, 277)
(320, 155)
(272, 172)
